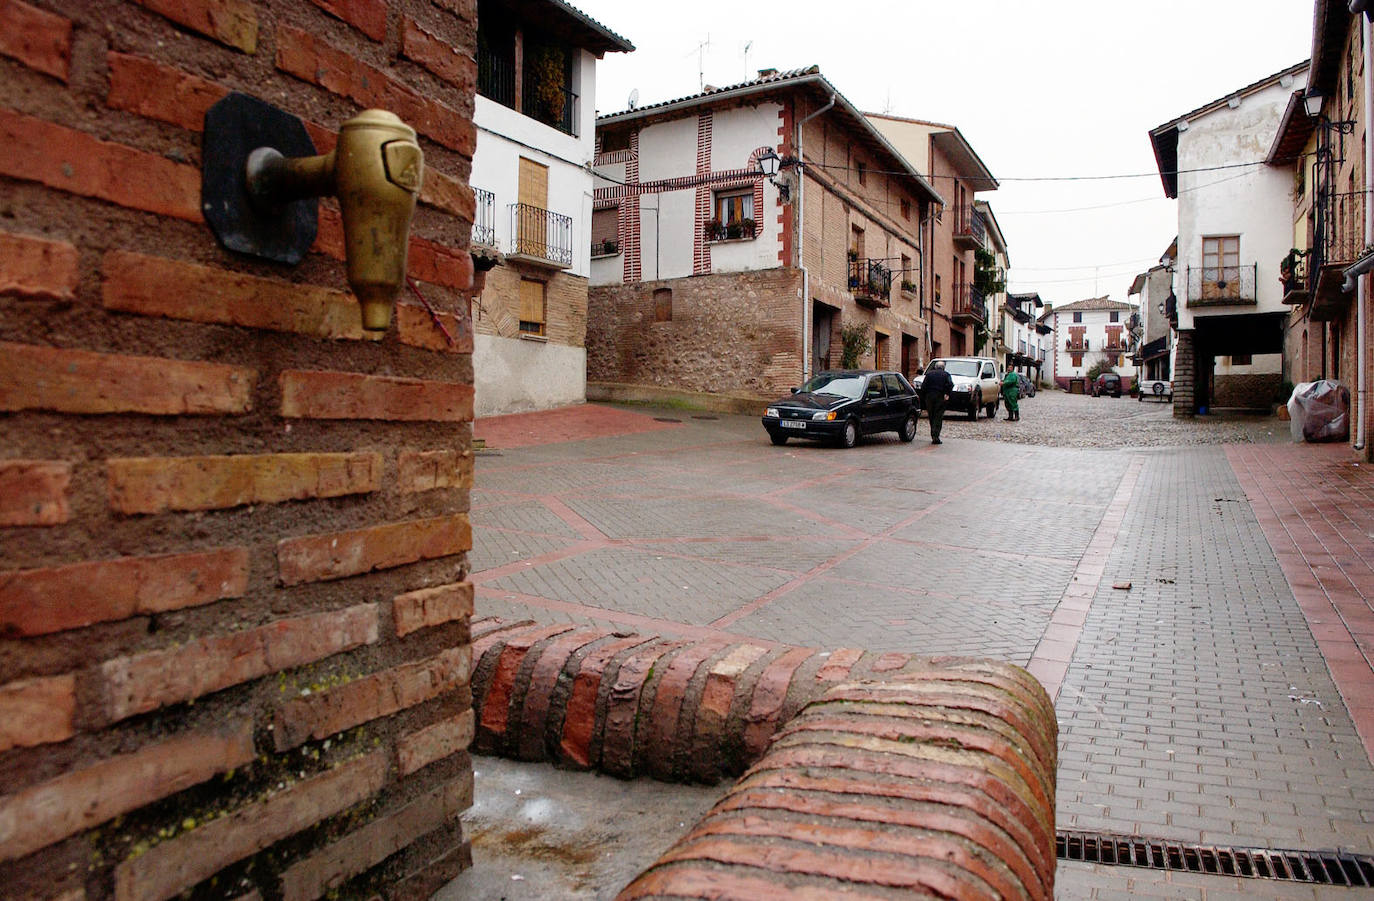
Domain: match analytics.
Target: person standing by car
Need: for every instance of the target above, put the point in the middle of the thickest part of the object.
(1011, 393)
(936, 388)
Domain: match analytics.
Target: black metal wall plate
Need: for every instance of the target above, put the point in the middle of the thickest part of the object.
(234, 128)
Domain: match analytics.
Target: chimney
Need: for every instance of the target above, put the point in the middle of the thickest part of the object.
(767, 73)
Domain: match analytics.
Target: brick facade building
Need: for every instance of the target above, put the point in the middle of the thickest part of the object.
(723, 281)
(234, 648)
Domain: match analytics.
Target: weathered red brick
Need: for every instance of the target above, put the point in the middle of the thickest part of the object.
(664, 752)
(37, 711)
(41, 601)
(719, 692)
(144, 682)
(155, 484)
(443, 739)
(38, 39)
(337, 555)
(579, 719)
(702, 880)
(770, 693)
(34, 492)
(839, 664)
(438, 56)
(427, 607)
(439, 265)
(416, 327)
(544, 680)
(371, 697)
(35, 817)
(37, 267)
(309, 58)
(618, 752)
(375, 842)
(173, 866)
(79, 381)
(889, 662)
(496, 709)
(368, 16)
(231, 22)
(148, 88)
(73, 161)
(431, 470)
(433, 873)
(314, 394)
(452, 195)
(157, 286)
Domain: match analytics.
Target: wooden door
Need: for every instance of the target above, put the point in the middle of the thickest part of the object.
(530, 226)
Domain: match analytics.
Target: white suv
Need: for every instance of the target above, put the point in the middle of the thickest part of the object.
(977, 383)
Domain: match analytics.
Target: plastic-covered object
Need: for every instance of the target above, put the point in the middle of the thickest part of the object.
(1319, 411)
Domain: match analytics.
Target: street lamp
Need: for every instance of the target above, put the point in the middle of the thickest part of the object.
(770, 165)
(1312, 102)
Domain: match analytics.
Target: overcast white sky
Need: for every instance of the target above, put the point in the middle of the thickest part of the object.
(1039, 88)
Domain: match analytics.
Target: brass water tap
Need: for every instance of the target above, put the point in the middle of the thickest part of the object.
(375, 172)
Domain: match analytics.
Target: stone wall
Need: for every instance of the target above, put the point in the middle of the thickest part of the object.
(737, 333)
(234, 652)
(1185, 375)
(1252, 391)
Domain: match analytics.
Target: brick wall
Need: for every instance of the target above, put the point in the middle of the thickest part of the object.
(497, 311)
(737, 333)
(234, 649)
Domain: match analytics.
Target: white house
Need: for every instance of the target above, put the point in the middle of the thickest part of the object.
(1090, 332)
(1235, 227)
(536, 129)
(1153, 295)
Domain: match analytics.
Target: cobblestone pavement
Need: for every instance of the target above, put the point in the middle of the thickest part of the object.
(1194, 704)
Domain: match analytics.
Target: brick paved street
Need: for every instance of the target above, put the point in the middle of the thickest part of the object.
(1194, 705)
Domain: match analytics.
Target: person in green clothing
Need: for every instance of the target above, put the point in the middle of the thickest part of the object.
(1011, 393)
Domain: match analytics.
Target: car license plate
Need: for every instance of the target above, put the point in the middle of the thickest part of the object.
(793, 424)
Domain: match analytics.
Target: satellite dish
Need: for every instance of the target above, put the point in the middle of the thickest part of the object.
(634, 99)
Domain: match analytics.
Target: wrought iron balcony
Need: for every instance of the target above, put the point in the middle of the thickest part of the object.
(715, 230)
(1221, 286)
(870, 282)
(541, 237)
(969, 231)
(969, 305)
(545, 106)
(484, 218)
(495, 75)
(1340, 234)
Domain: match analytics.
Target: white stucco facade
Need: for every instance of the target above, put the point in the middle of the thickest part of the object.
(667, 150)
(1094, 324)
(512, 373)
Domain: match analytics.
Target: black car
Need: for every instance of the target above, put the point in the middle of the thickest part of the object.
(842, 405)
(1107, 383)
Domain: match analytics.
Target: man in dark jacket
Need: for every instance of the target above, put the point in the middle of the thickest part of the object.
(936, 388)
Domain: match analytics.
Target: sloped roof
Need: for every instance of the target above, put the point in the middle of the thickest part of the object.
(582, 28)
(1164, 138)
(954, 145)
(809, 78)
(1094, 303)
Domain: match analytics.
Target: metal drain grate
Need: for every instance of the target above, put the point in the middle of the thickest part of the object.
(1323, 867)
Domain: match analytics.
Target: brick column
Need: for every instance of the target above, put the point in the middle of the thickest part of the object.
(1185, 375)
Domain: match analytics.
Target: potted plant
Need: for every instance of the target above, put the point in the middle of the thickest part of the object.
(908, 287)
(852, 254)
(734, 230)
(714, 230)
(748, 226)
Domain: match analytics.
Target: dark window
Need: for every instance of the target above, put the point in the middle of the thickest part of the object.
(495, 54)
(1241, 359)
(663, 305)
(1116, 316)
(1077, 317)
(863, 173)
(906, 208)
(611, 141)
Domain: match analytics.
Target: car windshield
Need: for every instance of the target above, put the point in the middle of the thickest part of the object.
(966, 368)
(850, 386)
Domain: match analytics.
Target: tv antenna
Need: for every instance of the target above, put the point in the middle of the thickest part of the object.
(634, 99)
(747, 45)
(701, 61)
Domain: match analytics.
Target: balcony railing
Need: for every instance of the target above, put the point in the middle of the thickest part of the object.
(870, 282)
(1210, 286)
(715, 230)
(495, 76)
(541, 236)
(484, 218)
(969, 305)
(560, 116)
(969, 228)
(1343, 229)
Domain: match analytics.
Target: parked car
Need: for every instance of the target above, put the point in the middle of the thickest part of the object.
(842, 405)
(1159, 389)
(1107, 383)
(1025, 385)
(977, 383)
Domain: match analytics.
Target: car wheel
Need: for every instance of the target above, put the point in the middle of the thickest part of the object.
(991, 410)
(908, 432)
(777, 438)
(973, 409)
(850, 436)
